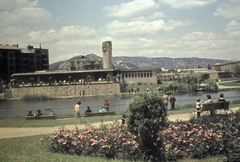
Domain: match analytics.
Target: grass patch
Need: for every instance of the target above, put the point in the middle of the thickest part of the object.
(50, 123)
(31, 149)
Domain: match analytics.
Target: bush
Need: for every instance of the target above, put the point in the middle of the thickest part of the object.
(109, 141)
(146, 117)
(201, 137)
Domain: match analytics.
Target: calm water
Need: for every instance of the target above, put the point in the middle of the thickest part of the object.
(119, 104)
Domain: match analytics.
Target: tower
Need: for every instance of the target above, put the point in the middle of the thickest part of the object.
(107, 55)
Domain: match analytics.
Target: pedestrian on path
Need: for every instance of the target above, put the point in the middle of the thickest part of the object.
(77, 109)
(172, 101)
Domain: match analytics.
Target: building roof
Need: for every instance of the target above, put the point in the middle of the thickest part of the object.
(11, 47)
(54, 72)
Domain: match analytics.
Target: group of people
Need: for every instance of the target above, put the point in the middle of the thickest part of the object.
(39, 113)
(105, 108)
(172, 101)
(200, 102)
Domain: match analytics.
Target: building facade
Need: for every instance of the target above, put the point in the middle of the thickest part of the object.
(16, 60)
(226, 66)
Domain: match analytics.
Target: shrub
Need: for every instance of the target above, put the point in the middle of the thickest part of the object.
(146, 117)
(201, 137)
(109, 141)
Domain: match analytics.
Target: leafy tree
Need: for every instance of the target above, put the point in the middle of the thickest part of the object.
(193, 80)
(236, 71)
(146, 117)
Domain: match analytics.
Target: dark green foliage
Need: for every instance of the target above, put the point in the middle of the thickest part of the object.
(36, 97)
(234, 154)
(146, 119)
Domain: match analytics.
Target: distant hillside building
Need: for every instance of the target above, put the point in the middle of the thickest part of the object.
(226, 66)
(16, 60)
(84, 63)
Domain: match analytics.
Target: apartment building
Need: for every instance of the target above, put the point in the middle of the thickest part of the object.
(21, 60)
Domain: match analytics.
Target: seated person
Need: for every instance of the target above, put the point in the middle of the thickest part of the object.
(38, 113)
(221, 97)
(52, 113)
(209, 99)
(30, 113)
(103, 109)
(225, 103)
(88, 110)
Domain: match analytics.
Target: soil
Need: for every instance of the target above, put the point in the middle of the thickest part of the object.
(26, 131)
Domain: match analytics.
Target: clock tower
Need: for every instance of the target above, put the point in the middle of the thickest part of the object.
(107, 55)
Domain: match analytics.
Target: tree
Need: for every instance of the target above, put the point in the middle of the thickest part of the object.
(146, 117)
(193, 80)
(236, 71)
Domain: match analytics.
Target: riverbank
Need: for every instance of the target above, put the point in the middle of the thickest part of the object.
(11, 132)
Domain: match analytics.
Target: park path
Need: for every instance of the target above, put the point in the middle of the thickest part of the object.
(10, 132)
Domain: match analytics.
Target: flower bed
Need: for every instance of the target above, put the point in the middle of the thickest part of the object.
(151, 137)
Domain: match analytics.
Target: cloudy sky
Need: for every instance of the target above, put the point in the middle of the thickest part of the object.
(153, 28)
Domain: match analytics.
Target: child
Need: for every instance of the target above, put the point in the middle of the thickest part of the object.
(199, 107)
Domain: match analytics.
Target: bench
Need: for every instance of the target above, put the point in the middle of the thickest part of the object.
(41, 117)
(89, 114)
(212, 106)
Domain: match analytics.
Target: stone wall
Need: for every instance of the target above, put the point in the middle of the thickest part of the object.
(67, 91)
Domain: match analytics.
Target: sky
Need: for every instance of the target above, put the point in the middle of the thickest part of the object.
(152, 28)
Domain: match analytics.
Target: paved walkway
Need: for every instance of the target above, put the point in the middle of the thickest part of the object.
(26, 131)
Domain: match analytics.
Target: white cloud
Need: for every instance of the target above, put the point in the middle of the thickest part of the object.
(156, 15)
(187, 3)
(25, 16)
(196, 44)
(228, 11)
(144, 27)
(233, 29)
(15, 4)
(66, 33)
(200, 36)
(131, 8)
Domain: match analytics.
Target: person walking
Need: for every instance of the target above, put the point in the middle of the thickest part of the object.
(77, 109)
(172, 101)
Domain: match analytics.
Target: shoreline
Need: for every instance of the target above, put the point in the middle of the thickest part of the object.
(124, 94)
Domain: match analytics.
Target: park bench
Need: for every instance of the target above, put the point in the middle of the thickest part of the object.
(89, 114)
(212, 106)
(41, 117)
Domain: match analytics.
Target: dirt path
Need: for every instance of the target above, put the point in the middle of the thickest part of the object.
(21, 132)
